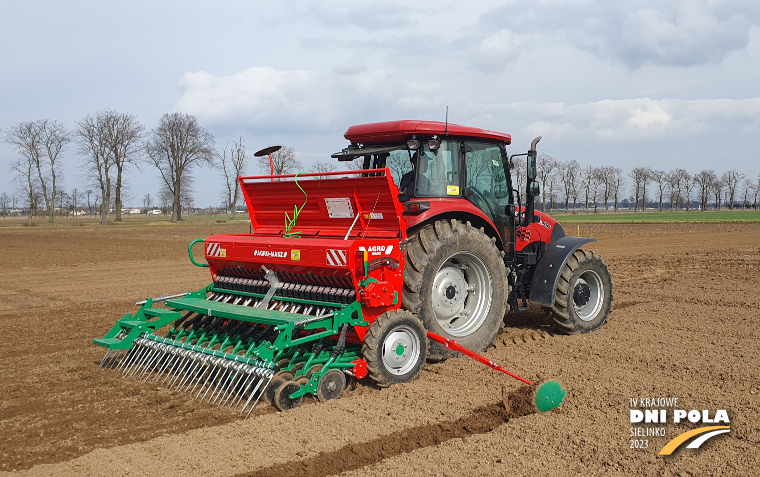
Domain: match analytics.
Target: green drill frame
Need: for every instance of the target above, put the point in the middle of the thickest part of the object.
(288, 349)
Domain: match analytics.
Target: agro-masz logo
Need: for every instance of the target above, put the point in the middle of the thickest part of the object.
(701, 434)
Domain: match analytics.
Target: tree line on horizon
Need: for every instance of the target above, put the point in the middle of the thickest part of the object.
(570, 184)
(109, 144)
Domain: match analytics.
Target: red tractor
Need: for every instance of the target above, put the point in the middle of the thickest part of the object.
(474, 250)
(429, 239)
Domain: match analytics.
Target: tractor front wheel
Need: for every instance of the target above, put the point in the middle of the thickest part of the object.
(583, 298)
(395, 348)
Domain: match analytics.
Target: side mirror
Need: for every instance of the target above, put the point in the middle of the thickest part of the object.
(535, 189)
(531, 167)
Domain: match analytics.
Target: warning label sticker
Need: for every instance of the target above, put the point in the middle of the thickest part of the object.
(339, 208)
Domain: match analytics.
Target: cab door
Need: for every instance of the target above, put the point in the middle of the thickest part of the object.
(488, 183)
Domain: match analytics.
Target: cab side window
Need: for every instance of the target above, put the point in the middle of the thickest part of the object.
(485, 176)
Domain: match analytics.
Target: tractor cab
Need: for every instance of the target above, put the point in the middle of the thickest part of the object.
(436, 165)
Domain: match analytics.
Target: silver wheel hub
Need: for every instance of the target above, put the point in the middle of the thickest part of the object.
(588, 295)
(462, 294)
(401, 350)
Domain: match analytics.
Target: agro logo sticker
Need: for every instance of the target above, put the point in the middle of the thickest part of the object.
(452, 190)
(295, 255)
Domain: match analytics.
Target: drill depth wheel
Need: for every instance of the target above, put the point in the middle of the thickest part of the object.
(282, 399)
(331, 385)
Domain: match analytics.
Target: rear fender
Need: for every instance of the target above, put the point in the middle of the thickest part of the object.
(544, 283)
(459, 209)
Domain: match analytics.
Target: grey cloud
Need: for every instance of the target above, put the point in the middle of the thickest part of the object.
(663, 33)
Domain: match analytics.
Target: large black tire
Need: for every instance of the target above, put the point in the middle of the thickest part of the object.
(583, 298)
(395, 348)
(453, 268)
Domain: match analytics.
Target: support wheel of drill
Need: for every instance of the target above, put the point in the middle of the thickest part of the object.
(331, 385)
(456, 282)
(395, 348)
(275, 384)
(583, 298)
(282, 399)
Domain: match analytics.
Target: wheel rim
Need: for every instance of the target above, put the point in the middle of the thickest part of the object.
(462, 294)
(588, 295)
(401, 350)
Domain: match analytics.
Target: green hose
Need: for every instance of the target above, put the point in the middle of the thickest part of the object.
(291, 223)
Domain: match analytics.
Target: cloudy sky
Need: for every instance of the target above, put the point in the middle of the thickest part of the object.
(661, 83)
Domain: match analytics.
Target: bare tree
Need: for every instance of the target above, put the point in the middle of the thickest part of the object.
(662, 180)
(88, 192)
(704, 179)
(232, 162)
(283, 161)
(124, 140)
(717, 188)
(732, 179)
(75, 195)
(587, 178)
(63, 202)
(5, 201)
(688, 186)
(637, 174)
(147, 202)
(546, 165)
(93, 142)
(41, 143)
(176, 146)
(320, 166)
(596, 182)
(25, 174)
(747, 188)
(618, 181)
(166, 199)
(607, 180)
(568, 175)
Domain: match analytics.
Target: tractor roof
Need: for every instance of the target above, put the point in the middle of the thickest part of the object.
(396, 131)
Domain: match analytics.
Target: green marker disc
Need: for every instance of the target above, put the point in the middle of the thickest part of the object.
(549, 396)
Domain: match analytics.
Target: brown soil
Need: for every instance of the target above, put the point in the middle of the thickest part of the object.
(684, 325)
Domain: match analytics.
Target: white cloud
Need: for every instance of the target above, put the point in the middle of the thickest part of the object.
(302, 102)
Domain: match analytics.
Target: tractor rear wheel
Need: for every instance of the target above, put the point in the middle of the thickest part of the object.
(583, 298)
(456, 282)
(395, 348)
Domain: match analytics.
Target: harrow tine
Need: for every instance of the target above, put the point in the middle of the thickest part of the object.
(148, 367)
(199, 374)
(163, 354)
(246, 386)
(145, 359)
(185, 363)
(171, 356)
(218, 384)
(194, 366)
(210, 369)
(136, 358)
(169, 363)
(259, 397)
(213, 375)
(253, 393)
(104, 358)
(174, 362)
(169, 374)
(231, 387)
(127, 357)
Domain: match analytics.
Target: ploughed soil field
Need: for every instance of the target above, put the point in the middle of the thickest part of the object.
(685, 324)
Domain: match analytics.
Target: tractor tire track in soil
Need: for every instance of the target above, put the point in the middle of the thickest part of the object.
(355, 456)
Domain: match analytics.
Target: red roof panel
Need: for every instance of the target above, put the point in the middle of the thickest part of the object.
(395, 131)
